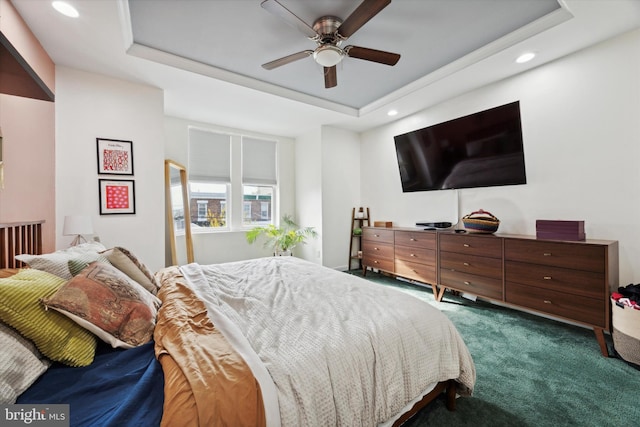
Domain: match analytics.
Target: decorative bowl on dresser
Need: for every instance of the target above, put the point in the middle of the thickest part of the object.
(571, 280)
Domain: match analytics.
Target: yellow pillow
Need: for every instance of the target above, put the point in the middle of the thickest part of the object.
(56, 336)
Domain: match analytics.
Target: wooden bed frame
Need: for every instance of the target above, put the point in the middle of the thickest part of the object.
(26, 238)
(19, 238)
(449, 387)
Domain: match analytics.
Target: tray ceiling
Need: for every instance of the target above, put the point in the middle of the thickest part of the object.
(206, 55)
(235, 37)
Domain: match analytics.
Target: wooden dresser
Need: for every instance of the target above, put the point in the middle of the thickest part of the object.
(564, 279)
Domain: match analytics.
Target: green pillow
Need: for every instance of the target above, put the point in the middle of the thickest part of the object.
(76, 265)
(56, 336)
(56, 262)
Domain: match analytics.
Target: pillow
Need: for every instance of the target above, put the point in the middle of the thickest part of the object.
(130, 265)
(20, 364)
(76, 265)
(56, 336)
(108, 303)
(57, 262)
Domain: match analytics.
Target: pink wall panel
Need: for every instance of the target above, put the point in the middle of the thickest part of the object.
(28, 129)
(18, 33)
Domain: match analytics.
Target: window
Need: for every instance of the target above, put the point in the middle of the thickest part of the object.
(202, 210)
(257, 204)
(258, 181)
(232, 180)
(209, 178)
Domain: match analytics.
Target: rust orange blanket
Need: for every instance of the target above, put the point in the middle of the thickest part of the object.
(207, 383)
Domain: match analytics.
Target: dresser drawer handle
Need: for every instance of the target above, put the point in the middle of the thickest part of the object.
(547, 277)
(467, 283)
(376, 262)
(413, 255)
(546, 254)
(412, 239)
(466, 245)
(376, 235)
(547, 301)
(376, 249)
(465, 263)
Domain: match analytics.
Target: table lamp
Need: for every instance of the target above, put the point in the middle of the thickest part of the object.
(77, 225)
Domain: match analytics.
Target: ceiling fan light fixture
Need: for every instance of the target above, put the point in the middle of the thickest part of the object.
(328, 55)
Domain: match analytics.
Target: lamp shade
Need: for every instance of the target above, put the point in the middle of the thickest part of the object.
(328, 55)
(76, 225)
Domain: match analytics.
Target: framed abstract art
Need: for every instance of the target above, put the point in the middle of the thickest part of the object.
(115, 157)
(117, 197)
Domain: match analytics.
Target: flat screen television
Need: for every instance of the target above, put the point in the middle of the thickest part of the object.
(479, 150)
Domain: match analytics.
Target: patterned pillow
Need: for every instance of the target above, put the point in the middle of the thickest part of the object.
(105, 301)
(20, 364)
(58, 262)
(131, 265)
(56, 336)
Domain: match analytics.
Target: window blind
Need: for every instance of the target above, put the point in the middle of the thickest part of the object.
(209, 156)
(259, 161)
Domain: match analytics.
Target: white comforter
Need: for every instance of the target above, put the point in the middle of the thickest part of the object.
(335, 349)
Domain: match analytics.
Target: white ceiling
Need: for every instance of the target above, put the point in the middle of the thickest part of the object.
(206, 55)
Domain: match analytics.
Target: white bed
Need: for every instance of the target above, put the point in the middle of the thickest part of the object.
(328, 348)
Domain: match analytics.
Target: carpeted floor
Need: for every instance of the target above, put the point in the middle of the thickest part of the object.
(531, 371)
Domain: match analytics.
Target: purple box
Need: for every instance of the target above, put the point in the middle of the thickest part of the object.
(559, 230)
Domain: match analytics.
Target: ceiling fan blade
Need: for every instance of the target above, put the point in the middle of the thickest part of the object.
(274, 7)
(330, 77)
(373, 55)
(287, 59)
(363, 13)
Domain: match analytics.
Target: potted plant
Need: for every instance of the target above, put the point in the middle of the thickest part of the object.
(283, 238)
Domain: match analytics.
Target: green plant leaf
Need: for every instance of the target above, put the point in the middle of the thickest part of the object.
(282, 238)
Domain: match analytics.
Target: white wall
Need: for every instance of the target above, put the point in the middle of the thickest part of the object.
(90, 106)
(225, 246)
(340, 193)
(308, 189)
(581, 129)
(327, 188)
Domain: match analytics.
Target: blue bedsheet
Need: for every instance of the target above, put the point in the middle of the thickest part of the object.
(120, 388)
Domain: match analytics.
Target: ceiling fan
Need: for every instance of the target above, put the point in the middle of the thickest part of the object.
(329, 32)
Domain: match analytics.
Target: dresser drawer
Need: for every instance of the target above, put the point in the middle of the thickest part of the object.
(558, 254)
(483, 266)
(417, 255)
(377, 249)
(412, 270)
(574, 307)
(380, 263)
(488, 246)
(377, 235)
(419, 239)
(477, 285)
(570, 282)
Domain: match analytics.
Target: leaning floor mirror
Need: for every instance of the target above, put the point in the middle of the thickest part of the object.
(178, 218)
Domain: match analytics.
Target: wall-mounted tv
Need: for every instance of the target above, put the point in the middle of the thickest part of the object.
(479, 150)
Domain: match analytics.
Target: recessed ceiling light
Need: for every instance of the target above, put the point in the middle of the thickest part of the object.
(525, 57)
(65, 9)
(392, 112)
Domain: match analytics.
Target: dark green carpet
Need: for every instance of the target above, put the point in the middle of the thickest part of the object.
(531, 371)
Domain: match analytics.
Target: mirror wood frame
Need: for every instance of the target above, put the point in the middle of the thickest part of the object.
(168, 166)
